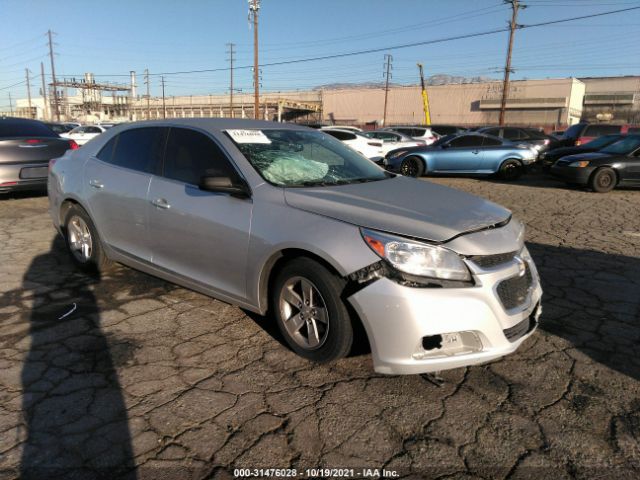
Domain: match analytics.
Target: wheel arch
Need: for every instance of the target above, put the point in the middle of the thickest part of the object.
(600, 167)
(278, 260)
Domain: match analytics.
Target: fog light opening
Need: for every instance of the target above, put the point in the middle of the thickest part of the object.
(432, 342)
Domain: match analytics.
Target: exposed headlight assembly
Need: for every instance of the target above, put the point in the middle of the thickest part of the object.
(417, 258)
(397, 154)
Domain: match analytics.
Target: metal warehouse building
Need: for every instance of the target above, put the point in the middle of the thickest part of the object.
(550, 103)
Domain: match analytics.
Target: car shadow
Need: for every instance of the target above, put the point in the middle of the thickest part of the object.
(592, 299)
(74, 412)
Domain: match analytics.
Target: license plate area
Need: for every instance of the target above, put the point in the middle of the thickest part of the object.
(34, 172)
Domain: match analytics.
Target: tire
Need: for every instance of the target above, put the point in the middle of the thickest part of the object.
(83, 242)
(412, 167)
(510, 169)
(603, 180)
(299, 314)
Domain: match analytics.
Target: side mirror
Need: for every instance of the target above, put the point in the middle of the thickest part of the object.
(236, 188)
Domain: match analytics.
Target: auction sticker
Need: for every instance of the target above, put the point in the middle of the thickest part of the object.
(248, 136)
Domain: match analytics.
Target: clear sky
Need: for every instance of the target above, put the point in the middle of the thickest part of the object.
(113, 37)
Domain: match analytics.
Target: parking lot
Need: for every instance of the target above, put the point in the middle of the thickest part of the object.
(149, 375)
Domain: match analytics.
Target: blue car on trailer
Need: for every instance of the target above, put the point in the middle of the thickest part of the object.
(468, 153)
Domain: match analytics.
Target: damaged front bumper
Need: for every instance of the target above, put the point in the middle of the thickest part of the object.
(418, 330)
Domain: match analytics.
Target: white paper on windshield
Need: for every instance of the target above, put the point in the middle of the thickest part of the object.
(248, 136)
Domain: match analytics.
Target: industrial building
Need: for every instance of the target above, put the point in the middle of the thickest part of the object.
(549, 103)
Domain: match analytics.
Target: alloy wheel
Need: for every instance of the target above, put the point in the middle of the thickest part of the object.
(304, 313)
(80, 241)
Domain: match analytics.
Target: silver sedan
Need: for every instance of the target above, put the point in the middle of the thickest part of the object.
(287, 221)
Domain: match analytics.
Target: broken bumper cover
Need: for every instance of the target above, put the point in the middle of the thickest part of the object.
(419, 330)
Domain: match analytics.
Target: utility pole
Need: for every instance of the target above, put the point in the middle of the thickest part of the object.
(254, 6)
(515, 6)
(164, 108)
(45, 112)
(10, 104)
(425, 97)
(231, 52)
(146, 81)
(53, 77)
(26, 71)
(387, 74)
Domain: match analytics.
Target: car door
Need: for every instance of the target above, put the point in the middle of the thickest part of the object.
(633, 167)
(199, 235)
(461, 154)
(116, 185)
(493, 150)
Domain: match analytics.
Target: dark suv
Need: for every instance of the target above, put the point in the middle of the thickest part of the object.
(521, 135)
(585, 132)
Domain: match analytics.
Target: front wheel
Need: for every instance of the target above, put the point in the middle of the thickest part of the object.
(603, 180)
(306, 300)
(412, 167)
(510, 170)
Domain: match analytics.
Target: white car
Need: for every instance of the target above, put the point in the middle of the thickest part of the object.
(393, 140)
(425, 134)
(370, 148)
(84, 133)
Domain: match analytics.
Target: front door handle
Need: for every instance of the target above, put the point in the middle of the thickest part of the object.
(475, 152)
(96, 184)
(160, 203)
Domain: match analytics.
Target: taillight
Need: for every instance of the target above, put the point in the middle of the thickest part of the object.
(374, 144)
(52, 162)
(73, 145)
(32, 141)
(578, 142)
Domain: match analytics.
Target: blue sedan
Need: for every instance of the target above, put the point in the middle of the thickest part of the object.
(470, 153)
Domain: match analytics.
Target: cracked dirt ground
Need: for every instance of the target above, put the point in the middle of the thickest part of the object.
(161, 382)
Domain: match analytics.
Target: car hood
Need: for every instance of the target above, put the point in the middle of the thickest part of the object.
(401, 205)
(585, 156)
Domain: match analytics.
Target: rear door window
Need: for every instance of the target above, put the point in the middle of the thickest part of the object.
(513, 134)
(341, 135)
(490, 142)
(191, 155)
(106, 153)
(466, 141)
(140, 149)
(597, 130)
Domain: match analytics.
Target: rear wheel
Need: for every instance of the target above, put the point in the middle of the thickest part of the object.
(603, 180)
(510, 170)
(315, 323)
(412, 167)
(83, 242)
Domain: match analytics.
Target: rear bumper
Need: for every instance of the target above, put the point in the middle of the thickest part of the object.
(471, 323)
(573, 174)
(10, 178)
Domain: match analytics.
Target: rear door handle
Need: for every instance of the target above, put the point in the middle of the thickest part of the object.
(160, 203)
(96, 184)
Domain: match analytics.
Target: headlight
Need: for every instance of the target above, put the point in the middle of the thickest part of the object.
(416, 258)
(582, 164)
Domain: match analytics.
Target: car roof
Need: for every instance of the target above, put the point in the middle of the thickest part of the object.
(214, 124)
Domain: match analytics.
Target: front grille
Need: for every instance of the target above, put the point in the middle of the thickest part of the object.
(521, 329)
(490, 261)
(513, 291)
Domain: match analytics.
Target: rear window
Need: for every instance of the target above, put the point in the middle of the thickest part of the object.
(13, 129)
(598, 130)
(340, 135)
(444, 130)
(624, 146)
